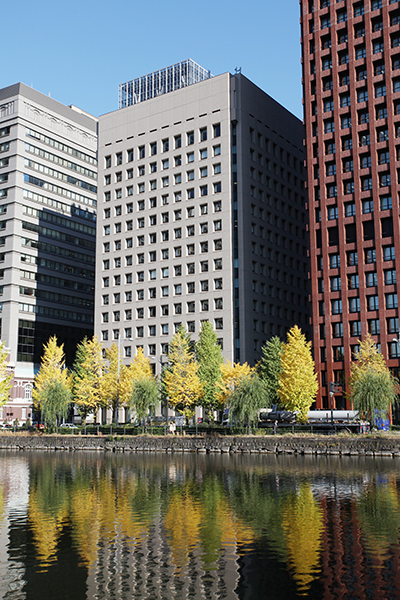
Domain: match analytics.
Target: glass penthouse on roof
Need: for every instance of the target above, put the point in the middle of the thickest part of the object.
(161, 82)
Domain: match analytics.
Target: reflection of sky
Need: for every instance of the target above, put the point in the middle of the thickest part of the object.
(14, 496)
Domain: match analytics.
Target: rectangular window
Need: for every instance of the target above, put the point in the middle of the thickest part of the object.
(354, 305)
(388, 253)
(372, 303)
(391, 301)
(336, 307)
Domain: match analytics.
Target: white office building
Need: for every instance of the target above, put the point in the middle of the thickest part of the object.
(201, 217)
(48, 187)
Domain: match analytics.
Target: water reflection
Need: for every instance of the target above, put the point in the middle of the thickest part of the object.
(83, 525)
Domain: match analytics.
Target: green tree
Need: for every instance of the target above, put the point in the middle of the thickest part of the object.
(270, 369)
(145, 394)
(209, 359)
(231, 374)
(372, 386)
(56, 398)
(298, 384)
(5, 378)
(52, 392)
(180, 379)
(139, 368)
(246, 399)
(87, 373)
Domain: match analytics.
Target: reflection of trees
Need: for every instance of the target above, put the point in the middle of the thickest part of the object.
(303, 525)
(97, 505)
(201, 517)
(208, 510)
(379, 515)
(290, 519)
(48, 510)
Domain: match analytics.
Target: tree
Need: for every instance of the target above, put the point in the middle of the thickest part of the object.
(56, 398)
(139, 385)
(298, 384)
(88, 369)
(246, 399)
(52, 391)
(110, 386)
(231, 374)
(180, 379)
(139, 368)
(270, 368)
(145, 393)
(209, 359)
(372, 386)
(5, 379)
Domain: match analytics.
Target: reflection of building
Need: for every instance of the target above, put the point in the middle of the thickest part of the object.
(351, 77)
(202, 218)
(48, 185)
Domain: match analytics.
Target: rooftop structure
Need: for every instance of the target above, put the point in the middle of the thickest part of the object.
(161, 82)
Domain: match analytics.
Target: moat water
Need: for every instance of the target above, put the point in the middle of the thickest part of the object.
(84, 525)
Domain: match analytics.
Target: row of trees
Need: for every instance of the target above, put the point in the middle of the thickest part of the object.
(196, 375)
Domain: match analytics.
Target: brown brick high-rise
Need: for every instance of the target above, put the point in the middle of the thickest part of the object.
(351, 74)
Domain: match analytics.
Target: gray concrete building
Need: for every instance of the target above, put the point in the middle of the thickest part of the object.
(48, 187)
(201, 217)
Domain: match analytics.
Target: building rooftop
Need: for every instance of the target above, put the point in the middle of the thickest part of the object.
(161, 82)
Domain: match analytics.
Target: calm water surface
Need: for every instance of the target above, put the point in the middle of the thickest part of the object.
(119, 526)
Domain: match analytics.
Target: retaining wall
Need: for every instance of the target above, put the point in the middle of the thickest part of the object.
(365, 446)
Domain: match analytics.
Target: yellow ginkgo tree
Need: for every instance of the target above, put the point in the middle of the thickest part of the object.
(88, 370)
(298, 384)
(5, 376)
(139, 386)
(52, 393)
(232, 374)
(181, 380)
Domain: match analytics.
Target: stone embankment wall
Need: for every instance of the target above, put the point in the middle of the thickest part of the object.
(268, 444)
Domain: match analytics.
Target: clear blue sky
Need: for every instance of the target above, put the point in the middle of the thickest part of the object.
(80, 51)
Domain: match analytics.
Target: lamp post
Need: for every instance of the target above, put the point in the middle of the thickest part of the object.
(397, 340)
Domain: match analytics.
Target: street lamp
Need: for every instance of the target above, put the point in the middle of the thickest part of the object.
(118, 367)
(397, 340)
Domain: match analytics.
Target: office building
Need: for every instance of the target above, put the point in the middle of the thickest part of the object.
(48, 186)
(201, 217)
(351, 75)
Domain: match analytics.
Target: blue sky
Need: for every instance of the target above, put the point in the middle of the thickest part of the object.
(80, 51)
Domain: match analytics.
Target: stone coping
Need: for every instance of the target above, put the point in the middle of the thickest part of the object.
(368, 445)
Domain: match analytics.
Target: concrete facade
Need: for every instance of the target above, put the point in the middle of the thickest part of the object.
(48, 187)
(201, 217)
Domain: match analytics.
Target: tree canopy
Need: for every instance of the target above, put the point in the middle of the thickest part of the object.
(52, 391)
(209, 358)
(87, 373)
(372, 386)
(298, 384)
(180, 379)
(5, 378)
(231, 373)
(246, 399)
(270, 369)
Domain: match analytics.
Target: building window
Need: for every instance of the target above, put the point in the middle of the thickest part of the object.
(391, 301)
(372, 303)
